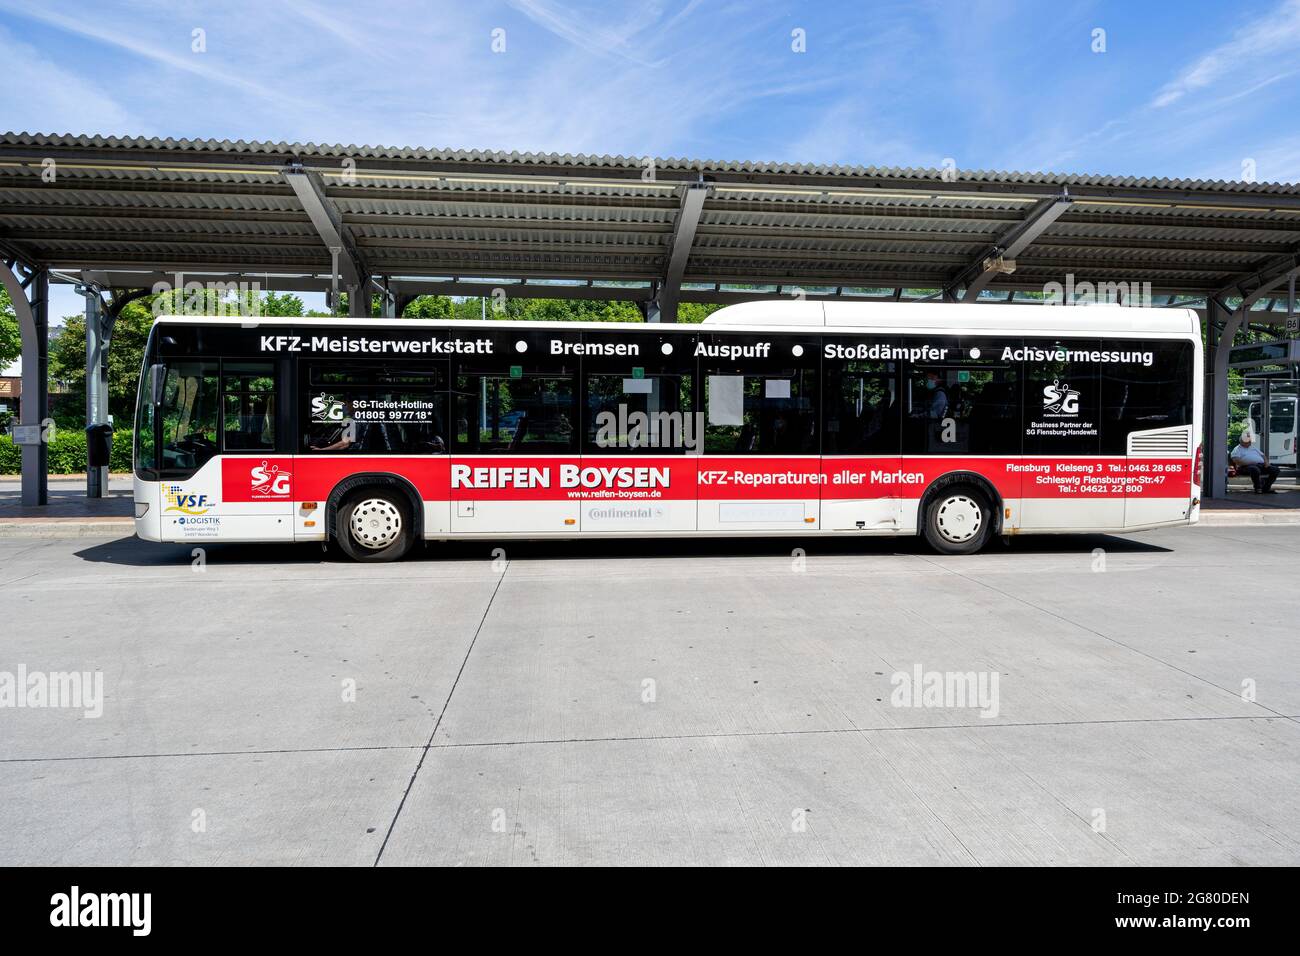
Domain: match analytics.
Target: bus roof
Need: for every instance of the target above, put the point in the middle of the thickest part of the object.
(981, 317)
(847, 317)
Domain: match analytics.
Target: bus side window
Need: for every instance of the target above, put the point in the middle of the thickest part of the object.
(635, 409)
(772, 412)
(374, 408)
(1139, 396)
(962, 409)
(248, 406)
(862, 408)
(516, 411)
(1063, 414)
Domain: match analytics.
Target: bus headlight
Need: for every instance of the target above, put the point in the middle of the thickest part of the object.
(141, 509)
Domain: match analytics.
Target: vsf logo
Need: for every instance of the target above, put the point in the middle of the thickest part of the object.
(1060, 399)
(270, 481)
(326, 408)
(178, 500)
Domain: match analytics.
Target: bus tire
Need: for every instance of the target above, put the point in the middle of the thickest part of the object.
(374, 524)
(958, 520)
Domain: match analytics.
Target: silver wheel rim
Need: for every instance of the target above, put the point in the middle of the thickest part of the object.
(959, 519)
(375, 523)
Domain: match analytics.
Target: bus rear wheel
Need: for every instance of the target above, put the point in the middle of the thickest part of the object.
(958, 520)
(374, 524)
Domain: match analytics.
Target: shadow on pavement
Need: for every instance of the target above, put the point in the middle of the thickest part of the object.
(133, 552)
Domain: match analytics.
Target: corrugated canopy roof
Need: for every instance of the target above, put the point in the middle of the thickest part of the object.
(114, 204)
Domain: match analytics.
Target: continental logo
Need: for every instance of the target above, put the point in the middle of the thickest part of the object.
(189, 504)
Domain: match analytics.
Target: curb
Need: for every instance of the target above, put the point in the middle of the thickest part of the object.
(66, 528)
(1248, 519)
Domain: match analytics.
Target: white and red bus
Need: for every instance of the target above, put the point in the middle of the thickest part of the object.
(957, 422)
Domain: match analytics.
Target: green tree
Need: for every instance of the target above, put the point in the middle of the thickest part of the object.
(10, 340)
(429, 307)
(695, 312)
(282, 305)
(125, 356)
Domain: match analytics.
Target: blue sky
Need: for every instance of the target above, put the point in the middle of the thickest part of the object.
(1182, 89)
(1192, 89)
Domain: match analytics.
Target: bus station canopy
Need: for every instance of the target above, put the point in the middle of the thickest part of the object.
(122, 215)
(408, 221)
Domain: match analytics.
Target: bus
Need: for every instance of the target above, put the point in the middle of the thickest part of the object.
(956, 422)
(1282, 436)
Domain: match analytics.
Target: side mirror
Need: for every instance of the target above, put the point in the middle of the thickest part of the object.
(157, 376)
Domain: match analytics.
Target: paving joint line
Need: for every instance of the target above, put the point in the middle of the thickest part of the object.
(438, 723)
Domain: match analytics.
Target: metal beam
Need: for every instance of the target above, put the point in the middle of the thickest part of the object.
(1001, 258)
(334, 234)
(489, 168)
(619, 288)
(30, 295)
(679, 250)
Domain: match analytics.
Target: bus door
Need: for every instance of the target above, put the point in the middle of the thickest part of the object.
(1281, 448)
(226, 467)
(963, 416)
(516, 446)
(641, 433)
(862, 473)
(761, 467)
(366, 417)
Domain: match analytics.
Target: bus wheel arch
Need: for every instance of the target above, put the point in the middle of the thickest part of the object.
(971, 500)
(383, 493)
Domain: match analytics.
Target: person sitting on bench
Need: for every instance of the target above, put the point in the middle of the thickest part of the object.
(1251, 460)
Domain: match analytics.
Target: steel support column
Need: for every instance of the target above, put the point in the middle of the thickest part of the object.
(30, 296)
(350, 267)
(387, 302)
(664, 308)
(96, 381)
(1222, 325)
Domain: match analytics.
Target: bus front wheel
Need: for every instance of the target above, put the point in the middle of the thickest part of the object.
(958, 520)
(374, 524)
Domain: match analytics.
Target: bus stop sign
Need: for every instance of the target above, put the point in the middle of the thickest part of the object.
(27, 434)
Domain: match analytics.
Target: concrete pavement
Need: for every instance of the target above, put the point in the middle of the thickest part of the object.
(657, 702)
(70, 514)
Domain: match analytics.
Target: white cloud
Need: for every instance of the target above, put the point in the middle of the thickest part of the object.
(1255, 55)
(42, 90)
(581, 28)
(200, 64)
(677, 77)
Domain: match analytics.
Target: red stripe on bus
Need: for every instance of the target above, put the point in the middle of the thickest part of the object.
(597, 478)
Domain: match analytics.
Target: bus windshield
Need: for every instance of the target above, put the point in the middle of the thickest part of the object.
(179, 433)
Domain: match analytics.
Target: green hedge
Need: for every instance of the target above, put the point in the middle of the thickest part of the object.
(67, 453)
